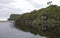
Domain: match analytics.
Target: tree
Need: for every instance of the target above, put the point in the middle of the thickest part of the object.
(49, 3)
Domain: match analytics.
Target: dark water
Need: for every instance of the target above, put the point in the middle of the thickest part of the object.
(8, 31)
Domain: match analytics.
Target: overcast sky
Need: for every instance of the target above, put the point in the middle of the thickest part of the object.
(8, 7)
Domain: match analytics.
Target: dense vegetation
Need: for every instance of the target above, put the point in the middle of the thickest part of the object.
(14, 17)
(34, 22)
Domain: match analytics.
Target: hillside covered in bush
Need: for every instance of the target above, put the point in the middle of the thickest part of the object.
(45, 21)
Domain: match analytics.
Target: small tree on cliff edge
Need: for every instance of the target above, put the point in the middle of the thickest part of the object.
(49, 3)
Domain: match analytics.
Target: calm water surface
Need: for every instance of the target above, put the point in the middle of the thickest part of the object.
(8, 31)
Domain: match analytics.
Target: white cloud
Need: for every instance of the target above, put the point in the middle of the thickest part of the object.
(22, 4)
(28, 5)
(36, 4)
(5, 11)
(6, 1)
(8, 7)
(57, 2)
(43, 3)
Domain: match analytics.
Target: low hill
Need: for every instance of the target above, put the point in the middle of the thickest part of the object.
(45, 21)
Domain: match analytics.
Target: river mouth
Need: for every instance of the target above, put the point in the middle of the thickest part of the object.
(7, 30)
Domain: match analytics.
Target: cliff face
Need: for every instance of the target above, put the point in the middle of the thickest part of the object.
(45, 22)
(14, 17)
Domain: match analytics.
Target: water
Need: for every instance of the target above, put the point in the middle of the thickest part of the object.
(8, 31)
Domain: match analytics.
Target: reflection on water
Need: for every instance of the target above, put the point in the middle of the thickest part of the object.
(8, 31)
